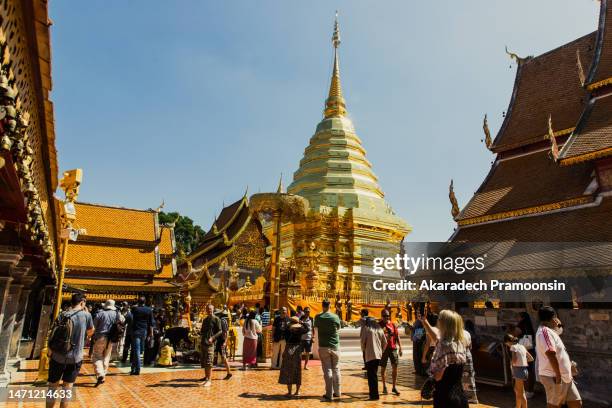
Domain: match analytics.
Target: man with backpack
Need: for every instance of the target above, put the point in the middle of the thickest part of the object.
(109, 325)
(66, 343)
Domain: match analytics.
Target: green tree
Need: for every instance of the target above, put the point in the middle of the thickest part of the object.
(187, 234)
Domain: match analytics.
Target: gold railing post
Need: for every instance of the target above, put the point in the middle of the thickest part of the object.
(70, 183)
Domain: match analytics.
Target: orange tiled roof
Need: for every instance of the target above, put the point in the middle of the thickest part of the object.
(167, 270)
(120, 285)
(546, 85)
(113, 223)
(93, 256)
(166, 244)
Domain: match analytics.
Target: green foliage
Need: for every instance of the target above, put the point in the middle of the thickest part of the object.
(187, 234)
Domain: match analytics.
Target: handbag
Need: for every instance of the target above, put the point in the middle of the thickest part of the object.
(428, 388)
(526, 341)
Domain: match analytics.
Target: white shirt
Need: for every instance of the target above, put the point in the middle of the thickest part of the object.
(519, 355)
(251, 331)
(548, 340)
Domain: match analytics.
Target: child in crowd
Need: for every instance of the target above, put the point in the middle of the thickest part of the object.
(520, 361)
(165, 355)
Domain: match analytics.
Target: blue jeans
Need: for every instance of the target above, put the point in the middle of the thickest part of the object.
(137, 346)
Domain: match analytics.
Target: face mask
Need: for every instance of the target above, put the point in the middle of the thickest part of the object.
(558, 330)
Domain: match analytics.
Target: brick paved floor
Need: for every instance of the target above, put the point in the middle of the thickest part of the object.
(179, 388)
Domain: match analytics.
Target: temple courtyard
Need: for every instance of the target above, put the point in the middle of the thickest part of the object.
(178, 387)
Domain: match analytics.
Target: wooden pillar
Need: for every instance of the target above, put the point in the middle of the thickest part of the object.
(19, 322)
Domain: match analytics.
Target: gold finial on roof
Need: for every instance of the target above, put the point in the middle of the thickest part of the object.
(581, 75)
(514, 56)
(485, 127)
(335, 104)
(554, 148)
(453, 199)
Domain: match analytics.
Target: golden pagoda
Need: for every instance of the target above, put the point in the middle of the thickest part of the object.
(348, 222)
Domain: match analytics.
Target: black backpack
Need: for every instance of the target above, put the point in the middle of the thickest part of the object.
(60, 338)
(117, 329)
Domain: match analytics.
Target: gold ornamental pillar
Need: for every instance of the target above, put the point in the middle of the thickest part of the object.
(276, 208)
(275, 261)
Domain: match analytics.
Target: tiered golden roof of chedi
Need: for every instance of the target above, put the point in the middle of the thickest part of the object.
(552, 177)
(123, 252)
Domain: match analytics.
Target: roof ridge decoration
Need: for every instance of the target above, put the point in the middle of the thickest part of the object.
(515, 57)
(572, 202)
(592, 84)
(488, 141)
(335, 104)
(554, 148)
(453, 200)
(581, 75)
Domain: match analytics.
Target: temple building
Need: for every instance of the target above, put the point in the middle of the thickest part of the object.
(29, 241)
(230, 260)
(551, 182)
(122, 253)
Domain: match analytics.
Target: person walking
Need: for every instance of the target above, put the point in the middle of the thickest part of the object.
(210, 332)
(141, 324)
(250, 331)
(307, 321)
(123, 347)
(469, 374)
(221, 344)
(392, 351)
(448, 359)
(526, 335)
(279, 341)
(64, 365)
(328, 325)
(373, 344)
(291, 368)
(554, 364)
(419, 337)
(519, 365)
(104, 321)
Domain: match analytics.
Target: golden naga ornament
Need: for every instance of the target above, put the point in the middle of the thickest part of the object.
(453, 199)
(488, 141)
(554, 148)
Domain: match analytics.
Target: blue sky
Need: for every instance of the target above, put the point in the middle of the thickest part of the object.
(193, 101)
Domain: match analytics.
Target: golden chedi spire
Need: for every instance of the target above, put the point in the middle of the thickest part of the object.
(335, 105)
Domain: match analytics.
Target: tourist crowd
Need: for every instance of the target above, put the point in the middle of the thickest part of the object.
(442, 348)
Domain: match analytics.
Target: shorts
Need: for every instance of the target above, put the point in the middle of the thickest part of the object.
(389, 354)
(520, 373)
(221, 349)
(307, 345)
(66, 372)
(558, 394)
(207, 357)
